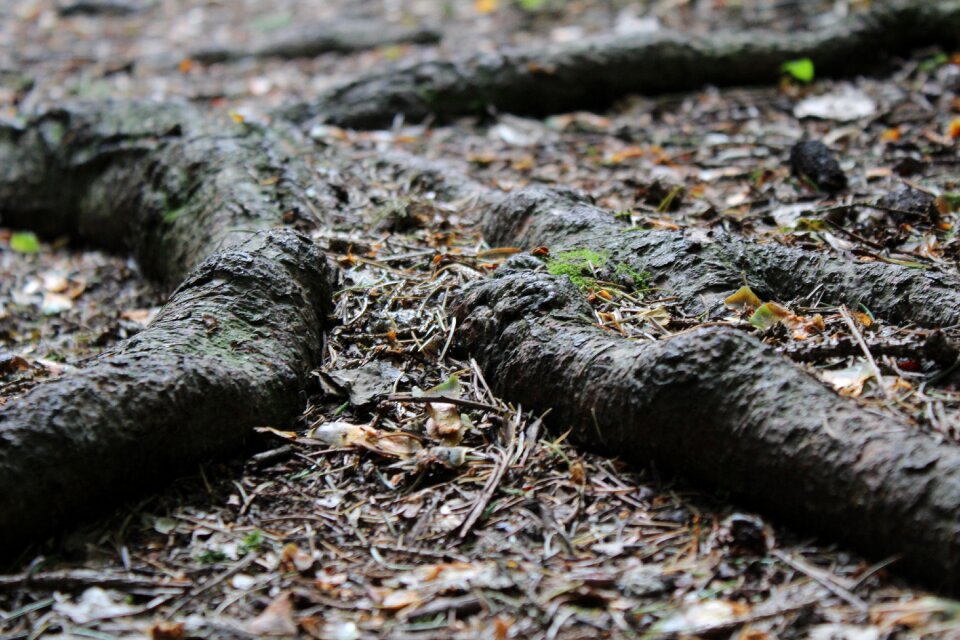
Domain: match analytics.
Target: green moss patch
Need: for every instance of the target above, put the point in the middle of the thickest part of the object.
(587, 268)
(579, 265)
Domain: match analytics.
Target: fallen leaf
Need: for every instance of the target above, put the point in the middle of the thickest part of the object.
(850, 380)
(843, 632)
(276, 619)
(386, 443)
(94, 604)
(167, 631)
(296, 558)
(55, 303)
(843, 105)
(443, 423)
(397, 599)
(54, 281)
(702, 614)
(769, 314)
(743, 299)
(141, 317)
(286, 435)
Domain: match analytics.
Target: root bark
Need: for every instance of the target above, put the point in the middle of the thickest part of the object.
(713, 404)
(231, 349)
(593, 74)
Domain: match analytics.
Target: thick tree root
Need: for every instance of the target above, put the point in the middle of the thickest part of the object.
(721, 408)
(344, 36)
(231, 349)
(593, 74)
(702, 270)
(166, 182)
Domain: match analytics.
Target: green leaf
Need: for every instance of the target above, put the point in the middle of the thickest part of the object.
(449, 388)
(24, 242)
(800, 69)
(768, 314)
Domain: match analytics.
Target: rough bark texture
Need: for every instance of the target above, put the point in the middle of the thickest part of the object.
(723, 409)
(697, 267)
(344, 36)
(166, 182)
(231, 349)
(591, 75)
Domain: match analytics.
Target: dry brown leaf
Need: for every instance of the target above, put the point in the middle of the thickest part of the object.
(385, 443)
(167, 631)
(444, 423)
(276, 619)
(294, 558)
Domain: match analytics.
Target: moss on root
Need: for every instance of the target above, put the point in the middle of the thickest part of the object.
(587, 269)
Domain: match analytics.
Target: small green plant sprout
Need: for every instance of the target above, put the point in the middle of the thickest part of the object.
(24, 242)
(251, 542)
(801, 70)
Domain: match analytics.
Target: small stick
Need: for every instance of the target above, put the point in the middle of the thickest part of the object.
(823, 580)
(463, 402)
(76, 578)
(866, 350)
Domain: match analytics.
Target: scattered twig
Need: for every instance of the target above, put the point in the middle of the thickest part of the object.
(821, 578)
(874, 369)
(80, 578)
(463, 402)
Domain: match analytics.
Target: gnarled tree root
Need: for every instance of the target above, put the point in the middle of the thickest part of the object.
(343, 36)
(230, 350)
(592, 74)
(700, 269)
(164, 181)
(721, 408)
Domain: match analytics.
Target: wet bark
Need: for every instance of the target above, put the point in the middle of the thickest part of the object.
(230, 350)
(344, 36)
(722, 409)
(593, 74)
(165, 182)
(701, 269)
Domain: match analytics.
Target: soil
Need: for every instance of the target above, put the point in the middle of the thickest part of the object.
(501, 528)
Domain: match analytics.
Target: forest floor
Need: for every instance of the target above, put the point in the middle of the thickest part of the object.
(331, 530)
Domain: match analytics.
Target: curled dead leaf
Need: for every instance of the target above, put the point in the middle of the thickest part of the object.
(276, 619)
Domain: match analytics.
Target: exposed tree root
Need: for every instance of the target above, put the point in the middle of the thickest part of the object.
(700, 269)
(722, 408)
(166, 182)
(232, 348)
(713, 404)
(593, 74)
(343, 36)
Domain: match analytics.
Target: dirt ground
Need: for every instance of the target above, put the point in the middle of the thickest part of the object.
(328, 531)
